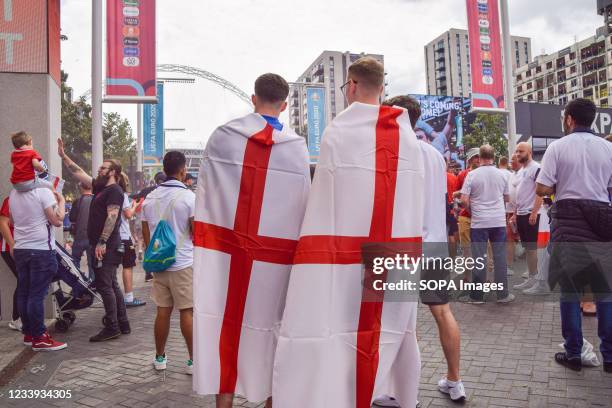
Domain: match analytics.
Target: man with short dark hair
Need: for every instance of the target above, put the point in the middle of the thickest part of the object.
(173, 202)
(434, 235)
(577, 169)
(251, 194)
(103, 233)
(484, 192)
(370, 163)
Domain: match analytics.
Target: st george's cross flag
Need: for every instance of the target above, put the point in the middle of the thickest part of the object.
(250, 202)
(337, 347)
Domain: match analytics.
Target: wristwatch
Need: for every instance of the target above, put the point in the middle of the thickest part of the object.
(102, 242)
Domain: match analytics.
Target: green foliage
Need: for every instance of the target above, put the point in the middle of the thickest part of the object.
(76, 132)
(488, 128)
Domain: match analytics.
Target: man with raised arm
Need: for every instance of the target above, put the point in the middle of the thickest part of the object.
(105, 241)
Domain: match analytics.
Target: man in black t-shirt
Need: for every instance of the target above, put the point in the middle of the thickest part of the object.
(105, 241)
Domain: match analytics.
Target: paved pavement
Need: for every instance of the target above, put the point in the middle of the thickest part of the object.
(506, 362)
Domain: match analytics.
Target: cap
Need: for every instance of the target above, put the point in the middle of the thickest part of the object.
(474, 151)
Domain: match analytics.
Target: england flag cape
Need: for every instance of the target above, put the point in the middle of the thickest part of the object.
(335, 348)
(250, 202)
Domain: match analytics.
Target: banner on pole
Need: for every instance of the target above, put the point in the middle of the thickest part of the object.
(130, 46)
(315, 101)
(153, 130)
(485, 54)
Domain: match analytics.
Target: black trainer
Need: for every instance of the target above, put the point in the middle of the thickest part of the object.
(124, 327)
(608, 367)
(106, 334)
(571, 363)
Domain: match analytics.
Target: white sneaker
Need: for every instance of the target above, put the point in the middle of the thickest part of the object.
(507, 299)
(540, 288)
(525, 275)
(189, 367)
(510, 271)
(160, 362)
(15, 325)
(386, 401)
(527, 283)
(455, 390)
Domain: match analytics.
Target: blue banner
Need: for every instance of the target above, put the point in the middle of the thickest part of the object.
(315, 99)
(153, 130)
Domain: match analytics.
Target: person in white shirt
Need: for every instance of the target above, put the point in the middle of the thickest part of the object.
(485, 191)
(172, 288)
(526, 213)
(577, 169)
(128, 261)
(33, 214)
(511, 232)
(434, 242)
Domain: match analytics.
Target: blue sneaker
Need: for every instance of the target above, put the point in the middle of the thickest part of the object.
(135, 303)
(189, 368)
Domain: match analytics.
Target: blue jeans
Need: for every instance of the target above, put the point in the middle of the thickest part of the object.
(35, 270)
(480, 237)
(78, 248)
(571, 328)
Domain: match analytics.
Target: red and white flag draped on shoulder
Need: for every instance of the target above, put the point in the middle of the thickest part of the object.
(336, 348)
(251, 196)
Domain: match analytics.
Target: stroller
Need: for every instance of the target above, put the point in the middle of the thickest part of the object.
(81, 295)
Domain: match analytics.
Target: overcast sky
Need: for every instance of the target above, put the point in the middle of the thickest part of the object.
(240, 39)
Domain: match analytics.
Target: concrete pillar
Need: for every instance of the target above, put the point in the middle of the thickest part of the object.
(28, 101)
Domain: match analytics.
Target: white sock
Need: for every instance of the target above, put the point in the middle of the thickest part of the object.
(128, 297)
(452, 383)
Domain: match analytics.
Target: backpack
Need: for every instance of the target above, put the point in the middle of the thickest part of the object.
(161, 252)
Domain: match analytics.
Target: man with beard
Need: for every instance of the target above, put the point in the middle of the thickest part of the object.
(105, 241)
(527, 211)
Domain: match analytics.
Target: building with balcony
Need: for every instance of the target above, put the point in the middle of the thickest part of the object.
(328, 70)
(582, 70)
(447, 62)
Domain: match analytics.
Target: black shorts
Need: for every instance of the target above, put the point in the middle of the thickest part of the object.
(527, 232)
(437, 296)
(129, 254)
(451, 224)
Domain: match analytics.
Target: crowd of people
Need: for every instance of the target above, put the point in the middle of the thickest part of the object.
(265, 264)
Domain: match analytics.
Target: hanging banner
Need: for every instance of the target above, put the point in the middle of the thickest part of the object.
(315, 100)
(441, 124)
(153, 130)
(485, 54)
(130, 46)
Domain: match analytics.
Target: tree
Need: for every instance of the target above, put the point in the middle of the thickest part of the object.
(76, 133)
(488, 128)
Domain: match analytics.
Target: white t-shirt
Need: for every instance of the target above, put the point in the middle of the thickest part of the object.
(513, 180)
(32, 228)
(580, 166)
(526, 188)
(183, 209)
(124, 228)
(486, 187)
(434, 221)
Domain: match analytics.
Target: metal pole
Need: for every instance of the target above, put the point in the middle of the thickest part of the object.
(96, 86)
(139, 139)
(509, 76)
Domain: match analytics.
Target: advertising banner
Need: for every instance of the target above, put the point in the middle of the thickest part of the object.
(153, 130)
(315, 100)
(441, 122)
(130, 47)
(29, 37)
(485, 54)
